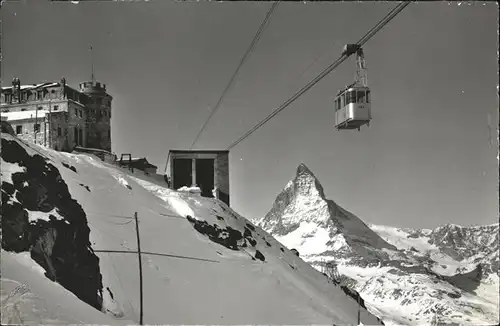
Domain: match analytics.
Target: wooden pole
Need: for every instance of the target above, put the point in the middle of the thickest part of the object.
(36, 121)
(50, 124)
(359, 308)
(140, 267)
(44, 131)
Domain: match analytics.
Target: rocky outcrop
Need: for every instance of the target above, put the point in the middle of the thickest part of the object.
(40, 216)
(7, 128)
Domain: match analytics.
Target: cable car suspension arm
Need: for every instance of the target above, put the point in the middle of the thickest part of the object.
(326, 71)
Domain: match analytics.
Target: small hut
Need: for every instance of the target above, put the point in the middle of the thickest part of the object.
(206, 169)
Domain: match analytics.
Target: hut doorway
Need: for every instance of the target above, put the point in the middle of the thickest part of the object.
(183, 172)
(205, 176)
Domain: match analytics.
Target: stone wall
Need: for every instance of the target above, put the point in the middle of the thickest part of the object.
(62, 113)
(59, 129)
(77, 116)
(28, 131)
(55, 105)
(99, 121)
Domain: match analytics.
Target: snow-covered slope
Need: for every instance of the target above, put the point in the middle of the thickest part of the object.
(202, 262)
(29, 298)
(404, 276)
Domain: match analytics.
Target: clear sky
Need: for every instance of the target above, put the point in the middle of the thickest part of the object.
(428, 158)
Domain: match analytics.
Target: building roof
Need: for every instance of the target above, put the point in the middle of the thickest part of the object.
(24, 115)
(23, 87)
(88, 149)
(179, 151)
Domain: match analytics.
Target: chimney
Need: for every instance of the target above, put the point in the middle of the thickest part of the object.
(63, 87)
(16, 89)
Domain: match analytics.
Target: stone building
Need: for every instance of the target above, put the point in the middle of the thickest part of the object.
(58, 116)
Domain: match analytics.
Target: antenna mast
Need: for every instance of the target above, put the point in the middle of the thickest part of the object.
(92, 63)
(361, 73)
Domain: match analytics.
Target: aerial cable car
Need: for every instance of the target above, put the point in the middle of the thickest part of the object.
(353, 103)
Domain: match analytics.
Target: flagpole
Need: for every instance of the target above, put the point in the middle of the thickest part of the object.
(92, 63)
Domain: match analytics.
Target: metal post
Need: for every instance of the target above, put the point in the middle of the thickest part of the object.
(193, 172)
(45, 131)
(140, 267)
(359, 309)
(36, 121)
(50, 124)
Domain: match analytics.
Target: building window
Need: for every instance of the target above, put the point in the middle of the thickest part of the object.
(19, 130)
(8, 98)
(81, 114)
(40, 95)
(56, 107)
(40, 108)
(99, 101)
(59, 131)
(76, 136)
(23, 109)
(36, 127)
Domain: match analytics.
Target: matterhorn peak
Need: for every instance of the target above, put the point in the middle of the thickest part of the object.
(303, 202)
(306, 183)
(303, 198)
(302, 168)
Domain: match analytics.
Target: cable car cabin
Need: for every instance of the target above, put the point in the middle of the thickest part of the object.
(352, 107)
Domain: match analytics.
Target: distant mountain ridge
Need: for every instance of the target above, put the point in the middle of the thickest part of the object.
(405, 276)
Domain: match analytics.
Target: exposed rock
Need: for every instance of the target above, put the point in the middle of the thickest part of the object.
(59, 244)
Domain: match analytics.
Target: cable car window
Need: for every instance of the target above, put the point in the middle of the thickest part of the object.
(368, 97)
(342, 104)
(351, 97)
(361, 96)
(337, 104)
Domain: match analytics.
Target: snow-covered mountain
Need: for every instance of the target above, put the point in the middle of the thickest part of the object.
(69, 252)
(446, 275)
